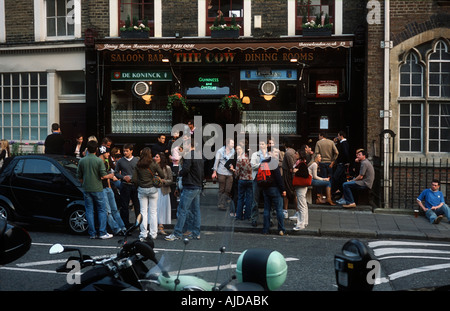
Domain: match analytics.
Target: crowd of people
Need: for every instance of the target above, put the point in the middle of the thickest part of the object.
(328, 167)
(151, 179)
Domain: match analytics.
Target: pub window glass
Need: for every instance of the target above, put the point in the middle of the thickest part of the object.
(131, 113)
(267, 114)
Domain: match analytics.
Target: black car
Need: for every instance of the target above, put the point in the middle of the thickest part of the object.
(43, 188)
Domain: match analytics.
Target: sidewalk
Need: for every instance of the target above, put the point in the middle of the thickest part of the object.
(332, 221)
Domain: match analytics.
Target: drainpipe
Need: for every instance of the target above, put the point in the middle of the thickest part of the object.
(386, 113)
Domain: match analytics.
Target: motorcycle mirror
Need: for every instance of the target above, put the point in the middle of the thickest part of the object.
(56, 249)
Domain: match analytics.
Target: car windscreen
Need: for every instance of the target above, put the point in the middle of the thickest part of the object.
(70, 164)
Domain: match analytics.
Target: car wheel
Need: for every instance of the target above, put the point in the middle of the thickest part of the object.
(76, 220)
(5, 211)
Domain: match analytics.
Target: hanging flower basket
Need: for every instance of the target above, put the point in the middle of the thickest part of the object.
(229, 101)
(176, 99)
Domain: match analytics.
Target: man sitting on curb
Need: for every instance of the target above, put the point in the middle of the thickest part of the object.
(435, 206)
(362, 181)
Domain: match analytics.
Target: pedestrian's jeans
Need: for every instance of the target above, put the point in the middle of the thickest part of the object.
(189, 203)
(302, 207)
(115, 222)
(272, 197)
(245, 197)
(348, 187)
(148, 199)
(97, 199)
(433, 214)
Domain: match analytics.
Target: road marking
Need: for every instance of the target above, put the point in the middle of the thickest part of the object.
(400, 243)
(389, 250)
(411, 250)
(214, 268)
(408, 272)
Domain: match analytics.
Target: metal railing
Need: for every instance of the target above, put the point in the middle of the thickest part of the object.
(411, 176)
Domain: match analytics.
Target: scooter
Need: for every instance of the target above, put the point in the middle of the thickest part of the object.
(115, 273)
(256, 269)
(14, 241)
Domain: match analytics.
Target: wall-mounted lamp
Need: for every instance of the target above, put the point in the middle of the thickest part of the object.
(295, 60)
(246, 100)
(166, 60)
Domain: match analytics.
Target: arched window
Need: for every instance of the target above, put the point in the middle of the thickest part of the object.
(439, 71)
(424, 119)
(411, 77)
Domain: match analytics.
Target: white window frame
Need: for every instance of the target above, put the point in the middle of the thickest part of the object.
(21, 108)
(114, 18)
(2, 22)
(40, 18)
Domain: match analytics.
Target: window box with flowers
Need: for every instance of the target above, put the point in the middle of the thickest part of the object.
(175, 100)
(221, 30)
(320, 29)
(231, 101)
(21, 148)
(135, 30)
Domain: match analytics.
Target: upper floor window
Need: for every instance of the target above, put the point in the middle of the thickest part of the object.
(60, 18)
(57, 19)
(228, 9)
(439, 72)
(307, 10)
(142, 10)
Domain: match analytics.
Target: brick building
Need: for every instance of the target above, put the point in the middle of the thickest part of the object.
(69, 62)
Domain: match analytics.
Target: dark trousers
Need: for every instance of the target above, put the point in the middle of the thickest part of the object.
(127, 193)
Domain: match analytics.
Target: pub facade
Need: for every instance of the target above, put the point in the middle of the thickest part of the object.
(286, 87)
(378, 71)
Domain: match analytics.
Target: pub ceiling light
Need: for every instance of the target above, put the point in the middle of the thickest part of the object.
(147, 98)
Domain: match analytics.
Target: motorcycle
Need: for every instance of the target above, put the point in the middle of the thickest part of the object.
(14, 241)
(115, 273)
